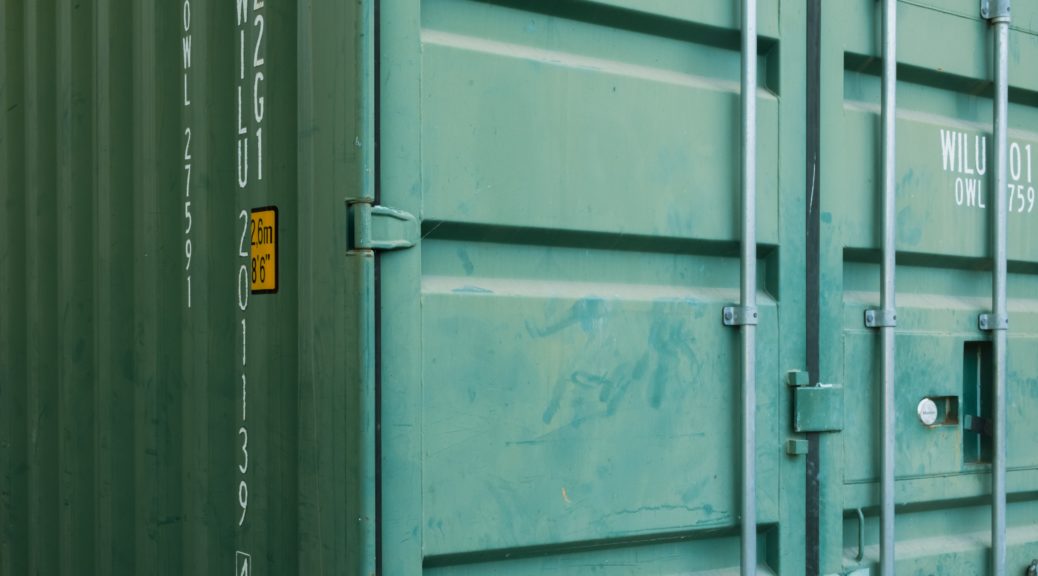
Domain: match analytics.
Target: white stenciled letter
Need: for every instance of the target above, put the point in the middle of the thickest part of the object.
(1014, 161)
(257, 98)
(243, 162)
(1028, 148)
(242, 129)
(948, 149)
(971, 192)
(966, 155)
(981, 153)
(257, 61)
(962, 139)
(259, 153)
(187, 51)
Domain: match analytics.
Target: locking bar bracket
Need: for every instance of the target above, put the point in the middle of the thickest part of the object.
(879, 318)
(739, 316)
(992, 9)
(989, 321)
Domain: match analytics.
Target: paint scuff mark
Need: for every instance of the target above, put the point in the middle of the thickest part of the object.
(466, 262)
(588, 312)
(470, 289)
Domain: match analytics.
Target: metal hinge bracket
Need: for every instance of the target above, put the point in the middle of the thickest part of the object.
(371, 227)
(993, 322)
(739, 316)
(877, 318)
(991, 9)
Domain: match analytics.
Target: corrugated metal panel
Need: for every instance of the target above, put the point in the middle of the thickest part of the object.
(126, 389)
(944, 281)
(556, 391)
(565, 396)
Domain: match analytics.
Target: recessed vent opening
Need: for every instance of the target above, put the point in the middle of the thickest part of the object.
(976, 402)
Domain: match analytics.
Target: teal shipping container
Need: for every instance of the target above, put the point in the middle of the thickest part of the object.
(518, 287)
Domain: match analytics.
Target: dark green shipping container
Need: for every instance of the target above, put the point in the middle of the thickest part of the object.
(441, 287)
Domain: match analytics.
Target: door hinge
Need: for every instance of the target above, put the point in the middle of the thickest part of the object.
(817, 408)
(371, 227)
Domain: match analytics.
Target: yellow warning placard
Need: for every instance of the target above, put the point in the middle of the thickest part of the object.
(264, 234)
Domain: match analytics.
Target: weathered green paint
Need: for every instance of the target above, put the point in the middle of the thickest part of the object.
(120, 406)
(557, 392)
(564, 395)
(943, 283)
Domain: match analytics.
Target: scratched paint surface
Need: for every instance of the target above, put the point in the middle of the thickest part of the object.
(580, 238)
(558, 395)
(944, 208)
(572, 391)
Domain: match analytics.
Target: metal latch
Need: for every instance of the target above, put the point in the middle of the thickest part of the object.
(979, 425)
(990, 9)
(370, 227)
(817, 408)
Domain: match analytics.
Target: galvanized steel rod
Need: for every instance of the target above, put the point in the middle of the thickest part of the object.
(748, 288)
(1000, 23)
(367, 526)
(887, 292)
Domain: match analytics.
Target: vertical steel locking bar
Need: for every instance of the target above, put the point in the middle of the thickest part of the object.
(997, 12)
(748, 288)
(885, 318)
(745, 315)
(363, 534)
(887, 292)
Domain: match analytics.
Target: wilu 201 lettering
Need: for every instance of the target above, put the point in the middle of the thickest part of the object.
(966, 156)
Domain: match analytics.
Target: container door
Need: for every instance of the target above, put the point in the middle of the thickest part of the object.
(944, 281)
(558, 391)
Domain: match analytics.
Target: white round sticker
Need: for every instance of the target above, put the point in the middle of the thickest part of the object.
(927, 411)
